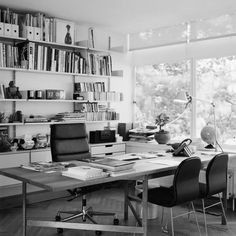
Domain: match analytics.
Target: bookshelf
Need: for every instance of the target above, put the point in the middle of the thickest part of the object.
(35, 62)
(31, 46)
(90, 96)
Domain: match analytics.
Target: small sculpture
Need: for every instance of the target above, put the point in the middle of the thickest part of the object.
(68, 39)
(12, 91)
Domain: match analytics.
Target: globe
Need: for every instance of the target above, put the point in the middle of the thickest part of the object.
(208, 135)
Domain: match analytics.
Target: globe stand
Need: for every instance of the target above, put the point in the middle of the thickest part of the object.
(209, 146)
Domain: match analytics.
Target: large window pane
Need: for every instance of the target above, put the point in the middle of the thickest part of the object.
(156, 88)
(216, 81)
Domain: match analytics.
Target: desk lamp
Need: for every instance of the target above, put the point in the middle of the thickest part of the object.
(185, 97)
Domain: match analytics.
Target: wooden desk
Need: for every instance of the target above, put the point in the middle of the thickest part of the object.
(143, 169)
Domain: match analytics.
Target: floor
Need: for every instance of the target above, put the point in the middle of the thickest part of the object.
(11, 223)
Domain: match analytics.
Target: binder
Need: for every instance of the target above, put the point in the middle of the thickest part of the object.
(15, 30)
(1, 28)
(7, 29)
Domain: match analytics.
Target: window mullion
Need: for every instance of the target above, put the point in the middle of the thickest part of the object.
(193, 92)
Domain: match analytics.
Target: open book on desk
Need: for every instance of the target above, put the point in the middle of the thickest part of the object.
(112, 164)
(85, 173)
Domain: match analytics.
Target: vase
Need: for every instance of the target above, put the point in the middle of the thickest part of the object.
(162, 137)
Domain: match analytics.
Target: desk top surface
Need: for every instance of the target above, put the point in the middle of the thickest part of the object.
(148, 165)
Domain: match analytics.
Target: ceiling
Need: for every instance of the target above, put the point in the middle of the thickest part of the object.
(127, 16)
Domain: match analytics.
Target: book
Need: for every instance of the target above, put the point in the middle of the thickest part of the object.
(121, 172)
(84, 173)
(46, 166)
(112, 164)
(2, 91)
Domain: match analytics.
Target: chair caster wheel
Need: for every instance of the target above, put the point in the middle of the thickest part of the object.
(116, 221)
(98, 232)
(59, 230)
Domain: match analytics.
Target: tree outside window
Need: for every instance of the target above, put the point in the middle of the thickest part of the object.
(156, 88)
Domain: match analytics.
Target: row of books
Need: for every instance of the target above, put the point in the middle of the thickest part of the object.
(89, 87)
(34, 56)
(9, 56)
(47, 58)
(86, 116)
(99, 64)
(102, 116)
(101, 96)
(8, 16)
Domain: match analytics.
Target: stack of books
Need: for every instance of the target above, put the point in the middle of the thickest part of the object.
(114, 167)
(141, 134)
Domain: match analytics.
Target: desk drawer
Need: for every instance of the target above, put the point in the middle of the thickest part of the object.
(107, 148)
(109, 154)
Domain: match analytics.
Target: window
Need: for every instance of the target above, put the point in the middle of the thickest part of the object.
(158, 85)
(216, 82)
(156, 88)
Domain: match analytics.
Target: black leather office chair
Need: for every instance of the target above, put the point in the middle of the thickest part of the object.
(185, 189)
(216, 182)
(69, 142)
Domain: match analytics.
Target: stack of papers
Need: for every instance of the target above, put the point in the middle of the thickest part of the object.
(113, 165)
(84, 173)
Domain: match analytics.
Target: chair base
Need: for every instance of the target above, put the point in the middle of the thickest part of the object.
(84, 214)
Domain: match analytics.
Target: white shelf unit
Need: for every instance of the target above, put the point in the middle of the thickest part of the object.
(20, 75)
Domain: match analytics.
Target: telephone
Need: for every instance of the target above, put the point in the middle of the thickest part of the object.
(182, 149)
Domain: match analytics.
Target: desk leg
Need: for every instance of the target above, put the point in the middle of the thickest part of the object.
(24, 189)
(126, 200)
(145, 205)
(224, 198)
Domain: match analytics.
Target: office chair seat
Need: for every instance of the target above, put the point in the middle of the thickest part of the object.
(161, 196)
(185, 188)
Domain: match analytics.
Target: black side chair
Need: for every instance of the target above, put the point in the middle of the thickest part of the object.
(216, 182)
(185, 189)
(69, 142)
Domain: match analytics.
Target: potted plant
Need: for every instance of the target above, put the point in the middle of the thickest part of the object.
(162, 136)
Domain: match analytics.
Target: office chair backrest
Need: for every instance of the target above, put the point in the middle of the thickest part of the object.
(216, 174)
(69, 142)
(186, 180)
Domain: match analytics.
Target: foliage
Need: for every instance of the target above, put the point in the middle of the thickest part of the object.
(158, 85)
(161, 120)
